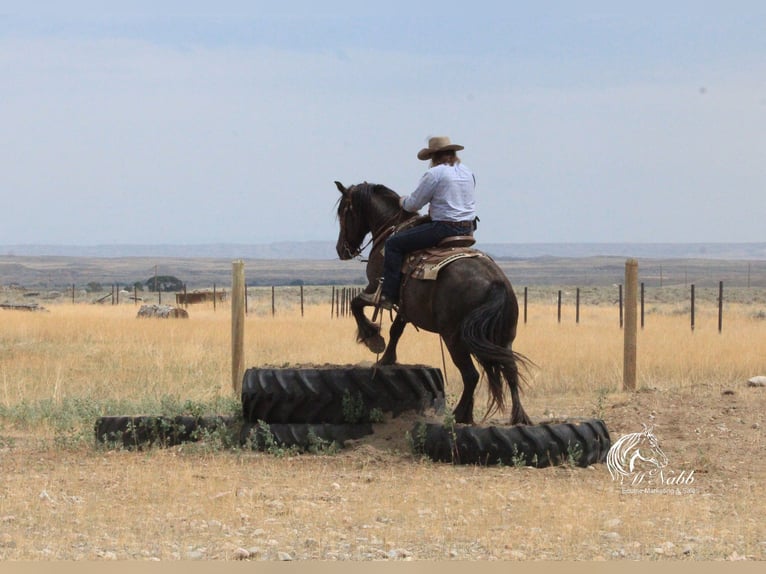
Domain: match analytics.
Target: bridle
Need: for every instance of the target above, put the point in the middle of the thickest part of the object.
(376, 236)
(346, 208)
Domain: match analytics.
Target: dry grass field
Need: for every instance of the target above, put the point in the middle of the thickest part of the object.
(62, 497)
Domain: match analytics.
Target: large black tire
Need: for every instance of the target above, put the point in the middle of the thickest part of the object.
(306, 437)
(135, 432)
(582, 443)
(338, 395)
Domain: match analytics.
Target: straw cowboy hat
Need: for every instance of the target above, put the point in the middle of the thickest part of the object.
(436, 144)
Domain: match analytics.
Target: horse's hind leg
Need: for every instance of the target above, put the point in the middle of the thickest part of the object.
(397, 328)
(462, 358)
(367, 332)
(518, 414)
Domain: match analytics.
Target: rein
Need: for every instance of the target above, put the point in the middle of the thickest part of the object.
(358, 251)
(385, 231)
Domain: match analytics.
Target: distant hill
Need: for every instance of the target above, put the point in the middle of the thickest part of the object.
(325, 250)
(316, 263)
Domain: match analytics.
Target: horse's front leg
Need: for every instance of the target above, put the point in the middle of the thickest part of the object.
(366, 331)
(397, 328)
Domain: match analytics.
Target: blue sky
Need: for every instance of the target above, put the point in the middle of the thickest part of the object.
(184, 122)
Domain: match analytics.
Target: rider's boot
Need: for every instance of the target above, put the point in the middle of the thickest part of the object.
(372, 298)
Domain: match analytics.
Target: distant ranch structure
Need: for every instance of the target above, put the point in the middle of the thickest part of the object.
(200, 297)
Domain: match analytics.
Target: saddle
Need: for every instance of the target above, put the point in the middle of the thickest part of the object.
(426, 263)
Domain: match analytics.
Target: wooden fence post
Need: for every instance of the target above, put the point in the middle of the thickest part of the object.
(237, 325)
(621, 305)
(577, 307)
(720, 306)
(692, 304)
(525, 305)
(630, 333)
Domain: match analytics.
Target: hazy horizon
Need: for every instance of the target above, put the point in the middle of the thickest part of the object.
(325, 250)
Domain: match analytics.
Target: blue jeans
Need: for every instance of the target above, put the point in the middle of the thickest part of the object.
(403, 242)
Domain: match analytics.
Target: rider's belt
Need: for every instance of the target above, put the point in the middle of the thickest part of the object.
(462, 224)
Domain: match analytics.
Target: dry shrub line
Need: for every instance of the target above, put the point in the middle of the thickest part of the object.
(288, 439)
(136, 432)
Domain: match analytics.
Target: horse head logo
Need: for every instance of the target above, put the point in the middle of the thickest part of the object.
(635, 452)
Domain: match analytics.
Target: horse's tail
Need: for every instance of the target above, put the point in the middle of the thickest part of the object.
(488, 332)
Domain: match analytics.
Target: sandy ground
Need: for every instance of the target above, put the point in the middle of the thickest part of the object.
(375, 501)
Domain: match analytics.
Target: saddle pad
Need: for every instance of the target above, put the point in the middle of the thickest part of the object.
(426, 264)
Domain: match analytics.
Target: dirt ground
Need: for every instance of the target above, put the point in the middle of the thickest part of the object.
(375, 501)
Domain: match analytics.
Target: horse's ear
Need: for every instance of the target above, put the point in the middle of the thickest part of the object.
(340, 187)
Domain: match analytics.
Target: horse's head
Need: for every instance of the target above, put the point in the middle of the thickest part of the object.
(353, 228)
(363, 208)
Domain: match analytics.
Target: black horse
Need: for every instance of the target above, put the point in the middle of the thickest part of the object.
(471, 304)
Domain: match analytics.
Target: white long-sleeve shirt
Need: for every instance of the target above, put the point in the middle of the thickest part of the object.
(449, 192)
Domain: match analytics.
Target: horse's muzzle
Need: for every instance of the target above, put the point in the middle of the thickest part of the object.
(344, 252)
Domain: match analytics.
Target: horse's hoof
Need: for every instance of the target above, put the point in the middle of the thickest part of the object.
(375, 343)
(522, 419)
(462, 418)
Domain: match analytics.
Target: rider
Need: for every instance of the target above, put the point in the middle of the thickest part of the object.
(448, 187)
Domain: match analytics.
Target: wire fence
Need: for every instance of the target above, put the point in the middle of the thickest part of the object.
(570, 302)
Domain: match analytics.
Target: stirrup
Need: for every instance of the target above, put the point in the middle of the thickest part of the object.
(372, 298)
(369, 298)
(386, 303)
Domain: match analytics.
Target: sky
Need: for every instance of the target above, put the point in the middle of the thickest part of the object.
(187, 122)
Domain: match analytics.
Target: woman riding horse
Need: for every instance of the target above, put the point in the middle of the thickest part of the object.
(470, 303)
(448, 188)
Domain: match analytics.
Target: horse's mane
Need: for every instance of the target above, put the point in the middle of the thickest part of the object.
(362, 194)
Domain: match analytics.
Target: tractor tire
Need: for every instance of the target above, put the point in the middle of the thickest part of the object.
(338, 395)
(304, 437)
(136, 432)
(582, 444)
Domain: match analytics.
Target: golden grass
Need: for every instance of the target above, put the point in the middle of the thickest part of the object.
(70, 500)
(588, 356)
(106, 353)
